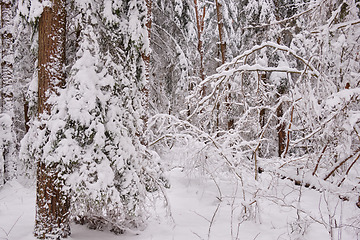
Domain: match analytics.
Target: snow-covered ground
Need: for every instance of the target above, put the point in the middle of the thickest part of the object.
(200, 209)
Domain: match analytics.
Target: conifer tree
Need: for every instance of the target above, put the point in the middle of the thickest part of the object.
(52, 202)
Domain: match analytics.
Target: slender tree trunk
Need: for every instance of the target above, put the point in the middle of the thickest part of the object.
(281, 132)
(146, 56)
(52, 203)
(7, 102)
(6, 58)
(220, 22)
(145, 90)
(200, 30)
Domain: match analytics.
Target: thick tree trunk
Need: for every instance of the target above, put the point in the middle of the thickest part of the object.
(52, 203)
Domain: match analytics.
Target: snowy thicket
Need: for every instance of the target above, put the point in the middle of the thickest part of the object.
(288, 106)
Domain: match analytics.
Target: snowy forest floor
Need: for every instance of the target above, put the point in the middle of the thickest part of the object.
(200, 209)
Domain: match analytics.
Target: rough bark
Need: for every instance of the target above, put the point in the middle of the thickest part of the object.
(52, 202)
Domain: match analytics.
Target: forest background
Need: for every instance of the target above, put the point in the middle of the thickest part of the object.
(101, 99)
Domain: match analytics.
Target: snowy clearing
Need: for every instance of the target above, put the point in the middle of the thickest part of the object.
(199, 211)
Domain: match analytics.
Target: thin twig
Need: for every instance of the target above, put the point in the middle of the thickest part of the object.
(212, 219)
(318, 161)
(8, 233)
(288, 133)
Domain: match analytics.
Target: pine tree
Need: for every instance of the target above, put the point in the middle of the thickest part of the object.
(52, 201)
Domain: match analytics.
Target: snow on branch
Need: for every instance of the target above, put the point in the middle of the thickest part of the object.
(227, 71)
(295, 16)
(32, 10)
(243, 57)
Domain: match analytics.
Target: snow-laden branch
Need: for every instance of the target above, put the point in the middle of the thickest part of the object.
(195, 131)
(243, 57)
(238, 65)
(283, 20)
(347, 96)
(336, 26)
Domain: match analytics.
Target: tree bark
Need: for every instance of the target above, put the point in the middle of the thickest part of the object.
(6, 58)
(220, 22)
(7, 102)
(52, 202)
(146, 89)
(200, 29)
(281, 131)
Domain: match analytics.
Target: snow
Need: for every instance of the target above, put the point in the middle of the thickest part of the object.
(199, 211)
(34, 9)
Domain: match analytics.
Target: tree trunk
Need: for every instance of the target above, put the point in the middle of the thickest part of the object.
(281, 131)
(220, 22)
(6, 58)
(145, 89)
(52, 202)
(200, 29)
(6, 103)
